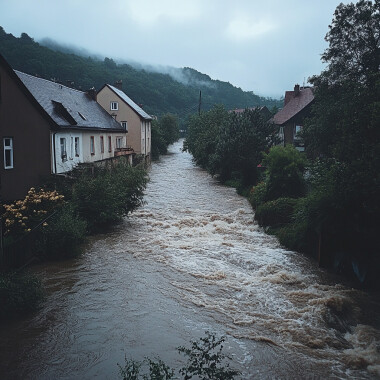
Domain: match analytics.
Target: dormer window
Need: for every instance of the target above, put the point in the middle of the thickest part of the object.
(82, 116)
(114, 106)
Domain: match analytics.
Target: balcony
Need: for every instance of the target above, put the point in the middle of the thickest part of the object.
(123, 151)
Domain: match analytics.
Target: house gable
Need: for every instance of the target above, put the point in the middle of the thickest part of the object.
(25, 125)
(137, 120)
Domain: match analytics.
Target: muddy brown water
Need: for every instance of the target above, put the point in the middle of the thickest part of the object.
(191, 260)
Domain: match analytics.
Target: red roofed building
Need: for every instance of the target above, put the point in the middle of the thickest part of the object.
(290, 119)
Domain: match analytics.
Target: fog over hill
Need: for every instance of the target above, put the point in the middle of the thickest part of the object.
(159, 89)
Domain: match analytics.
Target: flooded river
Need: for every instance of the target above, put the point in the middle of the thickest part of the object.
(192, 259)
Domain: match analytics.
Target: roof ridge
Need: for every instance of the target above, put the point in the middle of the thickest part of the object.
(48, 80)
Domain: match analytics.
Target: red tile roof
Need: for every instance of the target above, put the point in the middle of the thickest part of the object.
(293, 104)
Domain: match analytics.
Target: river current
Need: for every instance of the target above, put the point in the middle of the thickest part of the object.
(192, 259)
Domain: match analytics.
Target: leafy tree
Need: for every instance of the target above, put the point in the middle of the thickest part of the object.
(202, 133)
(169, 128)
(344, 132)
(159, 145)
(241, 140)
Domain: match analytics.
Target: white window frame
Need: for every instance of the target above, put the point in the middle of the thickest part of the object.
(8, 147)
(119, 142)
(114, 106)
(62, 143)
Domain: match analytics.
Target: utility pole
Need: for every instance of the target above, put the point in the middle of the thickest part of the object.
(200, 102)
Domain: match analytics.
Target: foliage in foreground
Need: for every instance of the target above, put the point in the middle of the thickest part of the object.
(205, 360)
(20, 293)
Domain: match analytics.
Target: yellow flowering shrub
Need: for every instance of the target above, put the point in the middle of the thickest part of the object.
(21, 216)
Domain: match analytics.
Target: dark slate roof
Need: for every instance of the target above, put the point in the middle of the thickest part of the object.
(130, 102)
(69, 108)
(294, 105)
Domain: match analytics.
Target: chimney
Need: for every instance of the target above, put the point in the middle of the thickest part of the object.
(92, 93)
(296, 89)
(119, 84)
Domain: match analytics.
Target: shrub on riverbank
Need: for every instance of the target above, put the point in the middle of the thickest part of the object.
(275, 213)
(64, 234)
(103, 197)
(20, 293)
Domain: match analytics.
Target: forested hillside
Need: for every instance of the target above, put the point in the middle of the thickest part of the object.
(158, 93)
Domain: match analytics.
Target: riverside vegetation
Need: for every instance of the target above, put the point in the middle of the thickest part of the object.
(86, 202)
(325, 203)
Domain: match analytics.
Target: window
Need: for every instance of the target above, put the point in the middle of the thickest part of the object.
(114, 106)
(92, 145)
(119, 142)
(109, 144)
(101, 144)
(281, 134)
(297, 130)
(124, 124)
(8, 152)
(76, 146)
(62, 143)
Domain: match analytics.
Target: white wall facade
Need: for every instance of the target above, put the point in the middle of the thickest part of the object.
(67, 151)
(73, 147)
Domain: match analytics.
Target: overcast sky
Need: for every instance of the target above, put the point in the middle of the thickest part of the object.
(265, 46)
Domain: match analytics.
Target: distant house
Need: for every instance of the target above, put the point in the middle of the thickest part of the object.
(46, 128)
(262, 109)
(135, 121)
(290, 119)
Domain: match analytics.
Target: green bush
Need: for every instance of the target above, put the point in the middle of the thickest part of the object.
(64, 234)
(284, 173)
(275, 213)
(103, 197)
(297, 237)
(19, 294)
(257, 194)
